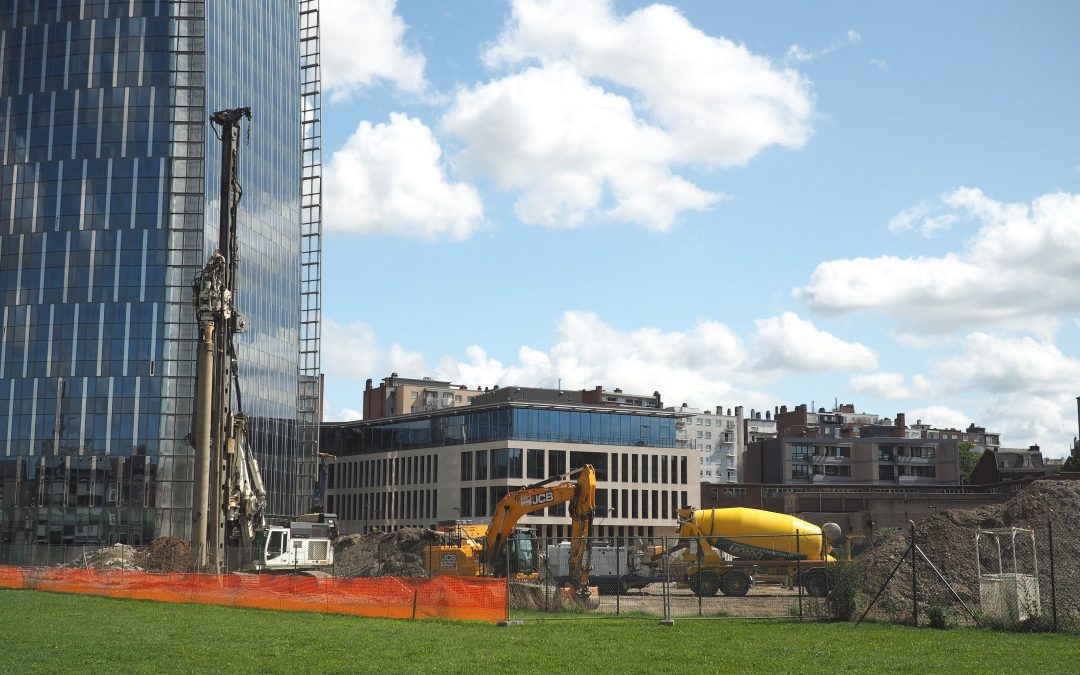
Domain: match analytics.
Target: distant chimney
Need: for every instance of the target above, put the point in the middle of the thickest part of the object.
(901, 421)
(719, 410)
(768, 415)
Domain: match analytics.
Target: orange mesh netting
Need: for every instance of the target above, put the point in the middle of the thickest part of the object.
(441, 597)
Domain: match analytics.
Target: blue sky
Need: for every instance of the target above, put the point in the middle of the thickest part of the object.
(731, 203)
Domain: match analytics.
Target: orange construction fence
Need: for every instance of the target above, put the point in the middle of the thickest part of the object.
(442, 597)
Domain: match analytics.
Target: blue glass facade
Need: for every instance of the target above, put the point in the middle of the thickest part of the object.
(501, 424)
(108, 208)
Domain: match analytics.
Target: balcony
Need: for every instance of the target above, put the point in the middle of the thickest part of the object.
(908, 459)
(819, 479)
(916, 480)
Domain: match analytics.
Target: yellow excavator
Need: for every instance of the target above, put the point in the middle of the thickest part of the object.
(501, 548)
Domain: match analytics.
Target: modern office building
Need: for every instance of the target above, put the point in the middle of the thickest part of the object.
(457, 463)
(109, 198)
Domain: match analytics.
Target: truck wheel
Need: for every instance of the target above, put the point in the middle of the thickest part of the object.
(814, 583)
(735, 583)
(704, 584)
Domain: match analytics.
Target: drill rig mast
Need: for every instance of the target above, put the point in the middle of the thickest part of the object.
(229, 498)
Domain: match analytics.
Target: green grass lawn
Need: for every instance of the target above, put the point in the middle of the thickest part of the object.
(49, 632)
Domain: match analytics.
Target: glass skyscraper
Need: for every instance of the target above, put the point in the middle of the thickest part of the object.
(108, 207)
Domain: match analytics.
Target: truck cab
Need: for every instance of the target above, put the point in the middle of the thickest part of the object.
(300, 546)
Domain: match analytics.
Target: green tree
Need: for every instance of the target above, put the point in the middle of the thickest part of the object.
(968, 459)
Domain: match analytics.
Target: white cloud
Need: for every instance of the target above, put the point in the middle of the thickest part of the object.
(349, 350)
(1026, 419)
(564, 143)
(922, 217)
(362, 43)
(996, 364)
(703, 365)
(892, 386)
(1021, 265)
(881, 64)
(787, 342)
(389, 178)
(799, 53)
(939, 417)
(400, 360)
(572, 147)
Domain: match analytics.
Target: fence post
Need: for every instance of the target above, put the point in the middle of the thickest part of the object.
(618, 575)
(798, 569)
(666, 588)
(1053, 581)
(914, 586)
(825, 559)
(506, 548)
(699, 560)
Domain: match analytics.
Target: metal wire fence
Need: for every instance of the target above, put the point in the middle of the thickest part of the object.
(933, 574)
(668, 578)
(1012, 578)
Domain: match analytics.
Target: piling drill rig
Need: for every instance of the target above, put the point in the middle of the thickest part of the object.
(230, 499)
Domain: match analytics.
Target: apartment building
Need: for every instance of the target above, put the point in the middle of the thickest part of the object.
(1006, 465)
(858, 461)
(979, 437)
(403, 395)
(457, 463)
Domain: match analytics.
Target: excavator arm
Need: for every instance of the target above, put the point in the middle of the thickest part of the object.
(581, 495)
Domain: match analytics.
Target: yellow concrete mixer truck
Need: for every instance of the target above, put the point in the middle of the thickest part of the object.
(723, 549)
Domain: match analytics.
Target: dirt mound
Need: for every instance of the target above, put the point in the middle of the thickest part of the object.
(383, 554)
(168, 554)
(948, 539)
(115, 557)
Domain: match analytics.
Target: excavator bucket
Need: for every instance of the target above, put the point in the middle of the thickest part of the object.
(573, 599)
(547, 598)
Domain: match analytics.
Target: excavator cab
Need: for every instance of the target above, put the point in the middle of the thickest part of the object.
(522, 554)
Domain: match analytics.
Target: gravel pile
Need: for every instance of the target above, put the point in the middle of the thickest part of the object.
(384, 554)
(115, 557)
(948, 539)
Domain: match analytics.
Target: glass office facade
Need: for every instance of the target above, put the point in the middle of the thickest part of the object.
(108, 208)
(499, 424)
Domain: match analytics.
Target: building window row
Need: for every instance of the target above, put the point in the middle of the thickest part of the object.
(364, 473)
(629, 467)
(378, 506)
(477, 502)
(805, 451)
